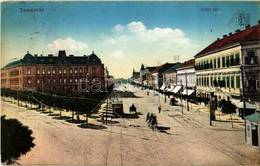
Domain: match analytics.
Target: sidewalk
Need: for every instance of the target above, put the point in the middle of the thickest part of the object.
(200, 109)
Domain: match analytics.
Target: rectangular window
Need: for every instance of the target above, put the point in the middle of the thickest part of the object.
(28, 71)
(93, 70)
(257, 84)
(237, 81)
(227, 82)
(237, 60)
(218, 62)
(232, 60)
(223, 62)
(227, 61)
(211, 81)
(80, 70)
(232, 82)
(215, 63)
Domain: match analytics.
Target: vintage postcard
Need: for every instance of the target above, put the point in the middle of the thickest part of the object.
(130, 82)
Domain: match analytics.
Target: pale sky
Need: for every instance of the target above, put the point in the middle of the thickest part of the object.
(122, 34)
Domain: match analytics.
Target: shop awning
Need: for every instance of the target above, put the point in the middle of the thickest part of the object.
(162, 87)
(187, 92)
(235, 101)
(248, 105)
(254, 117)
(170, 89)
(176, 89)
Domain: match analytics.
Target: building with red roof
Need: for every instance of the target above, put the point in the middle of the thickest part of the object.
(219, 66)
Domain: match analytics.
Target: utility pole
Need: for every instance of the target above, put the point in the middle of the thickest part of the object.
(187, 90)
(210, 110)
(107, 105)
(181, 99)
(243, 97)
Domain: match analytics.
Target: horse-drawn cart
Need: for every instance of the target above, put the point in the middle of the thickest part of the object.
(151, 120)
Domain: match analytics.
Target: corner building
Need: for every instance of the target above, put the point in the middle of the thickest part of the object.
(48, 73)
(219, 66)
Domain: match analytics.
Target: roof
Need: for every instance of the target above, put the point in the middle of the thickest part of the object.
(187, 64)
(62, 58)
(163, 67)
(249, 34)
(173, 68)
(254, 117)
(150, 68)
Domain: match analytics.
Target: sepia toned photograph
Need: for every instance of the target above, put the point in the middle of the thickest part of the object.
(133, 83)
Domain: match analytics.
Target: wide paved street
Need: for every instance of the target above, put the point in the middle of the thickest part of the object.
(181, 139)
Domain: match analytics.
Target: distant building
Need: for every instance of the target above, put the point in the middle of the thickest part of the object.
(135, 77)
(47, 73)
(219, 66)
(186, 78)
(157, 74)
(170, 78)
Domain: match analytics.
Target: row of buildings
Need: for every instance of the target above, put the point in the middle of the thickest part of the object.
(61, 72)
(220, 68)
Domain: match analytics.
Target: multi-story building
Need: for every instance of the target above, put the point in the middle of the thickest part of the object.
(157, 74)
(219, 66)
(145, 76)
(170, 78)
(186, 78)
(62, 72)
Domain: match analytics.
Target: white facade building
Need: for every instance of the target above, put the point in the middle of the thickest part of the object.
(186, 78)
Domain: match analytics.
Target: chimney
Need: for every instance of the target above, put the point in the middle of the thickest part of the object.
(50, 55)
(217, 38)
(238, 30)
(41, 55)
(224, 36)
(35, 55)
(258, 21)
(230, 33)
(248, 26)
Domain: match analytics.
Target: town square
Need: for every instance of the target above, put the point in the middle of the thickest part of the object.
(130, 83)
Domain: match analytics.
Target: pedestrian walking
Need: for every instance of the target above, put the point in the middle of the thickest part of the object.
(159, 108)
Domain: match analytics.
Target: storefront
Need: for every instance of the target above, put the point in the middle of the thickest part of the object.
(253, 129)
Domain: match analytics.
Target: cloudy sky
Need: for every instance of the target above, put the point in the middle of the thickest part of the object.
(123, 34)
